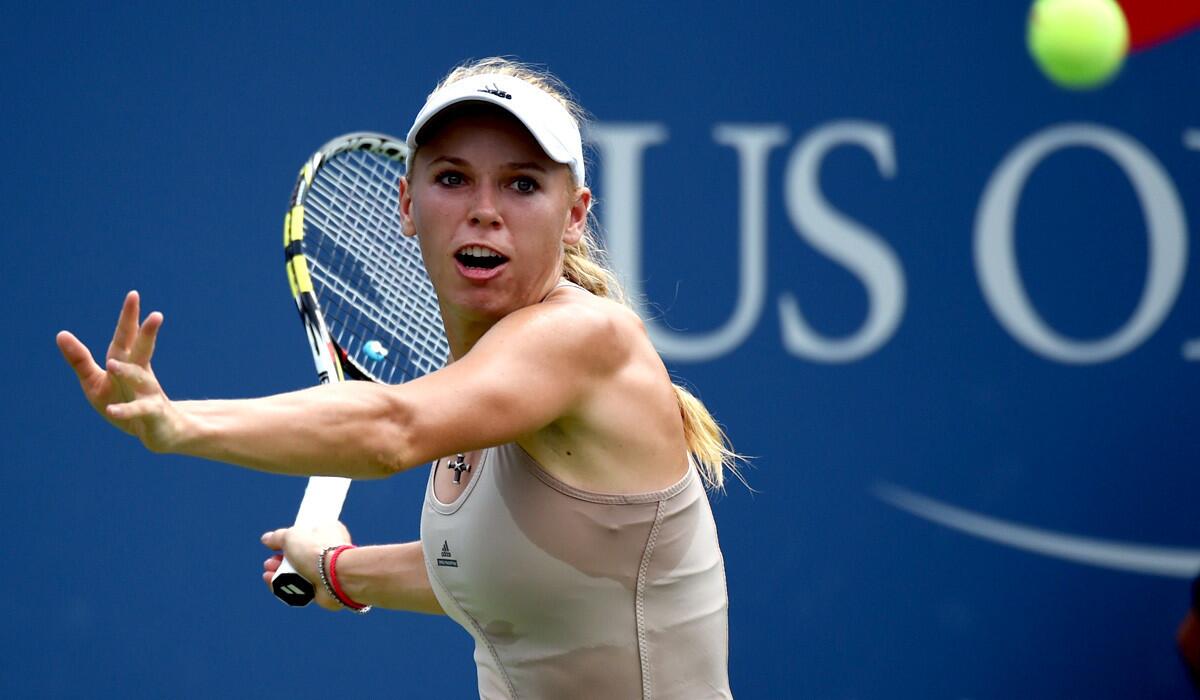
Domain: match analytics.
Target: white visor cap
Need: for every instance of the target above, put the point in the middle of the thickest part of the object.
(545, 117)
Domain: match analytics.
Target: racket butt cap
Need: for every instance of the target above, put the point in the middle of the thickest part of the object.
(293, 589)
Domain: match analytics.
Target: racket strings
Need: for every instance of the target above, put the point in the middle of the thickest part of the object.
(375, 296)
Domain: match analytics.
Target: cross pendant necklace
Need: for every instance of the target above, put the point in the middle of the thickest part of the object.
(459, 465)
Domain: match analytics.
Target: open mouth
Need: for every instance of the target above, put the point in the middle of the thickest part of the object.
(477, 256)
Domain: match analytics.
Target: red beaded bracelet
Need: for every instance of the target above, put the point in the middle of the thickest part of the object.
(337, 587)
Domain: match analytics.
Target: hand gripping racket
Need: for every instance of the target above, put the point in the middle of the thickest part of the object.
(368, 308)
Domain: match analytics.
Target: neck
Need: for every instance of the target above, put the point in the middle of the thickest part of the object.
(463, 330)
(463, 336)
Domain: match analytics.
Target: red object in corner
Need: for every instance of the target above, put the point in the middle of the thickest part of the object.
(1154, 21)
(1188, 638)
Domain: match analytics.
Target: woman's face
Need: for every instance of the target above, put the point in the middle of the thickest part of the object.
(492, 212)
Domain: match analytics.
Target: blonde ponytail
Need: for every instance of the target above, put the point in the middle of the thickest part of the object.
(585, 264)
(706, 441)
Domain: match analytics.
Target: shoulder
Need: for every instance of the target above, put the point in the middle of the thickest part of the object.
(594, 331)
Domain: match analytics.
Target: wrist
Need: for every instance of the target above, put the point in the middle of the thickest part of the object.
(191, 429)
(338, 574)
(350, 574)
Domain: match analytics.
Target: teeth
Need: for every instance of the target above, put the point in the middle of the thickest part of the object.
(477, 251)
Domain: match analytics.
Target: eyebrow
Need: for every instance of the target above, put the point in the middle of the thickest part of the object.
(526, 165)
(449, 159)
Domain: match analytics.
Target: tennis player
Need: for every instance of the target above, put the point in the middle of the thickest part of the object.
(566, 525)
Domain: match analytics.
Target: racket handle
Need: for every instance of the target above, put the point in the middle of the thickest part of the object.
(323, 499)
(290, 587)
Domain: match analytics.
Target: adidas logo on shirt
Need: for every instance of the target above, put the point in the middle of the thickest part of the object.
(446, 558)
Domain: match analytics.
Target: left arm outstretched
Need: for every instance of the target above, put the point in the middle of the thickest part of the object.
(535, 366)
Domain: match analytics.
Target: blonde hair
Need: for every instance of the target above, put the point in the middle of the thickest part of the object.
(586, 264)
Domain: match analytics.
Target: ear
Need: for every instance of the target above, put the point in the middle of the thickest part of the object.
(577, 216)
(407, 227)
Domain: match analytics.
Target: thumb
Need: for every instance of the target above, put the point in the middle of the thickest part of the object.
(275, 539)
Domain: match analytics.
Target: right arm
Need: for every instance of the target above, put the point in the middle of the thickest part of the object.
(389, 576)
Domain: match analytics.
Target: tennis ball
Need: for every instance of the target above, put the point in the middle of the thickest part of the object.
(1078, 44)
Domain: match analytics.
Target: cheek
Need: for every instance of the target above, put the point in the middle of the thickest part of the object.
(549, 216)
(428, 221)
(548, 225)
(429, 212)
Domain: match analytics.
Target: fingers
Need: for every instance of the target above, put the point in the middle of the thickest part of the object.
(77, 355)
(139, 408)
(132, 375)
(132, 341)
(275, 539)
(270, 566)
(143, 344)
(138, 386)
(127, 327)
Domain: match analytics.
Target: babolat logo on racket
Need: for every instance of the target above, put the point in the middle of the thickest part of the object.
(445, 559)
(493, 90)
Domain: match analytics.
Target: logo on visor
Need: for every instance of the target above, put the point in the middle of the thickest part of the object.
(493, 90)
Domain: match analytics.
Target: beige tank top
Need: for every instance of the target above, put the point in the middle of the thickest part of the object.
(574, 594)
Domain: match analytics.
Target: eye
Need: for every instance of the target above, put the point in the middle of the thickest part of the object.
(525, 185)
(450, 178)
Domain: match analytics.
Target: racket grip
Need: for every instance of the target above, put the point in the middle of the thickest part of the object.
(322, 503)
(290, 587)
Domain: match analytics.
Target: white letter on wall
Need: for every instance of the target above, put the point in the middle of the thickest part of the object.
(1191, 348)
(622, 147)
(995, 249)
(843, 240)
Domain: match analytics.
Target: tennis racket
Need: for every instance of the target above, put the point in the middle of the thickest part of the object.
(368, 308)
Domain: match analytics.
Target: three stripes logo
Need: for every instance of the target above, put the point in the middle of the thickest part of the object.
(292, 589)
(446, 558)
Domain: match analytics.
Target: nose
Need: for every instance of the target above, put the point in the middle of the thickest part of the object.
(483, 210)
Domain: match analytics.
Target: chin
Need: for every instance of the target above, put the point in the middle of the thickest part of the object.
(480, 304)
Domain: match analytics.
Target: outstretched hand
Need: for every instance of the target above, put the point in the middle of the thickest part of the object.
(125, 391)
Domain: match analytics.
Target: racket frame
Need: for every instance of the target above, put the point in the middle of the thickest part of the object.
(324, 496)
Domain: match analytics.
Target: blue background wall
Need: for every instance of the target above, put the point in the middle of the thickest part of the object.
(154, 149)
